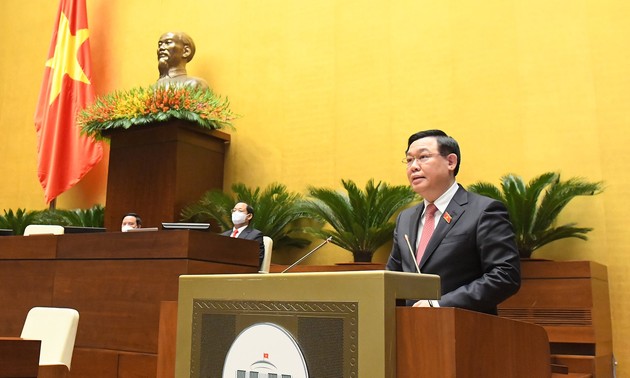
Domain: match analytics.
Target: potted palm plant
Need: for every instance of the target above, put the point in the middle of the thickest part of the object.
(92, 217)
(534, 218)
(277, 212)
(359, 221)
(18, 220)
(568, 298)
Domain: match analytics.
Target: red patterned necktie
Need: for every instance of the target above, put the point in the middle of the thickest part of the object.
(234, 233)
(427, 230)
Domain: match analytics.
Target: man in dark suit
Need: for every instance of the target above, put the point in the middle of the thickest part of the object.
(242, 214)
(469, 242)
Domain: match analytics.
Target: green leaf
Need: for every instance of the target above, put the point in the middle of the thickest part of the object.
(277, 212)
(534, 207)
(359, 221)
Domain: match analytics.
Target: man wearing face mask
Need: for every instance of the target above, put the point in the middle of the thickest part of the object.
(242, 215)
(130, 221)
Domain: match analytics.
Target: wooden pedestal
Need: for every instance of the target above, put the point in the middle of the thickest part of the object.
(157, 170)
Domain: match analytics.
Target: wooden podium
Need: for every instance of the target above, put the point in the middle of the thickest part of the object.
(450, 342)
(372, 337)
(156, 170)
(361, 304)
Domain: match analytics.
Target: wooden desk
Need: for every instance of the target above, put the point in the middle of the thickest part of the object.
(19, 358)
(116, 281)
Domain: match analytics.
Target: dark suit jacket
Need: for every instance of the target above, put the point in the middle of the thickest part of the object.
(250, 233)
(474, 254)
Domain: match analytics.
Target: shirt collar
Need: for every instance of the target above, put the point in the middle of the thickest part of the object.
(240, 229)
(442, 202)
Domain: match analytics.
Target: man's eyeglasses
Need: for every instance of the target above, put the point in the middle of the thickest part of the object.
(422, 159)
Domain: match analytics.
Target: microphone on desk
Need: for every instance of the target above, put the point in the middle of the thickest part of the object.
(308, 254)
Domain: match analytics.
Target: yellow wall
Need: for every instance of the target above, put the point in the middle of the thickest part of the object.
(331, 89)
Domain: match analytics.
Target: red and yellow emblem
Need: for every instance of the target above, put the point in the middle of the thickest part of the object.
(447, 217)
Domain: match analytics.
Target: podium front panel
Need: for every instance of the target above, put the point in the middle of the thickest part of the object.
(343, 323)
(327, 333)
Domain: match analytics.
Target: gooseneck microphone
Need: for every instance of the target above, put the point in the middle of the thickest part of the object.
(413, 255)
(308, 254)
(413, 258)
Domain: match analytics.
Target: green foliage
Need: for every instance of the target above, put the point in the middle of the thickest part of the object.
(276, 212)
(213, 207)
(361, 220)
(93, 217)
(534, 217)
(57, 217)
(18, 220)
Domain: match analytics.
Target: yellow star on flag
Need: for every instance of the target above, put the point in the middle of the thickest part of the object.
(64, 60)
(64, 155)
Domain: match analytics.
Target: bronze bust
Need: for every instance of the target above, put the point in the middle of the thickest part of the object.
(175, 50)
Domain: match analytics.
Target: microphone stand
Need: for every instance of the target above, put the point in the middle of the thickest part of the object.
(308, 254)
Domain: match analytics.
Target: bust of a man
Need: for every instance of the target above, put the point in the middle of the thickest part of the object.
(175, 50)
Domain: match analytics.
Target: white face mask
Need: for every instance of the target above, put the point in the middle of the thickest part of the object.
(126, 228)
(238, 217)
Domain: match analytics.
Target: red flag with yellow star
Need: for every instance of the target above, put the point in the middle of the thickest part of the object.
(64, 155)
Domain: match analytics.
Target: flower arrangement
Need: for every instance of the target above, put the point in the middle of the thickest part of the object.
(141, 106)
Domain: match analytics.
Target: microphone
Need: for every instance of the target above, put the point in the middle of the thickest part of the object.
(308, 254)
(413, 258)
(413, 255)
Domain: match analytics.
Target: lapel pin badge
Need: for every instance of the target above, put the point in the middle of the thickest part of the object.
(447, 217)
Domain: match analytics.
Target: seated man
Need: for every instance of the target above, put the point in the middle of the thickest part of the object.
(130, 221)
(242, 215)
(175, 49)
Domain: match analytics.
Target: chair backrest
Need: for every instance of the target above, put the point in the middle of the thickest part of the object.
(43, 229)
(266, 263)
(57, 329)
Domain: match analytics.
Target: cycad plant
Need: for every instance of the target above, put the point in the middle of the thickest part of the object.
(18, 220)
(276, 211)
(359, 221)
(51, 216)
(92, 217)
(534, 217)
